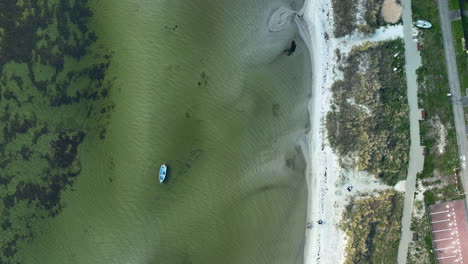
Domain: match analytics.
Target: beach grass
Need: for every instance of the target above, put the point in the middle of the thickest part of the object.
(346, 19)
(373, 228)
(344, 14)
(369, 119)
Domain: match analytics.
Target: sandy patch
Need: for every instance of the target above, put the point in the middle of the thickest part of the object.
(361, 10)
(400, 186)
(442, 136)
(442, 133)
(346, 43)
(391, 11)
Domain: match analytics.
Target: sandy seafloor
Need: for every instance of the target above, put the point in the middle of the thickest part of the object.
(201, 85)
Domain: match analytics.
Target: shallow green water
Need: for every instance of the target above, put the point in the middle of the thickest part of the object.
(201, 85)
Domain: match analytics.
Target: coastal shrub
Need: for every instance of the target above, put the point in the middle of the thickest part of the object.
(346, 13)
(373, 13)
(344, 16)
(370, 121)
(373, 228)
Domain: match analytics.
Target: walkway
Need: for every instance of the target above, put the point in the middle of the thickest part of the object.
(416, 158)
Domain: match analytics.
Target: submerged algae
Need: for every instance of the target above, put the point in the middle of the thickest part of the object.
(52, 80)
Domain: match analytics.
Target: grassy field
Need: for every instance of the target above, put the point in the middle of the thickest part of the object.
(369, 120)
(453, 4)
(373, 227)
(462, 58)
(433, 89)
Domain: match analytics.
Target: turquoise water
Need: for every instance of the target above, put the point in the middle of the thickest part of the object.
(201, 85)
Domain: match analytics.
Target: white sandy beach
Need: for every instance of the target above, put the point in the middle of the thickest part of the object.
(327, 182)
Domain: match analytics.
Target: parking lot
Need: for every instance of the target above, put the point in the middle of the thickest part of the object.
(449, 232)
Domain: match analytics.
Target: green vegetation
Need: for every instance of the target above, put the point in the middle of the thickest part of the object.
(437, 176)
(344, 15)
(462, 58)
(440, 159)
(438, 194)
(433, 89)
(369, 119)
(453, 4)
(373, 227)
(434, 161)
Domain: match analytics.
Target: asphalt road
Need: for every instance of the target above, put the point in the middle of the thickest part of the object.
(454, 84)
(416, 158)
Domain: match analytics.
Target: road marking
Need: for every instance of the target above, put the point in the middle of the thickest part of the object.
(443, 239)
(442, 230)
(440, 212)
(448, 257)
(443, 248)
(446, 220)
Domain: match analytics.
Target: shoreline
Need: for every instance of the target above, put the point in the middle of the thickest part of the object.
(322, 169)
(326, 181)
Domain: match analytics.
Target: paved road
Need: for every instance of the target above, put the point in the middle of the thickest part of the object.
(416, 158)
(454, 83)
(454, 14)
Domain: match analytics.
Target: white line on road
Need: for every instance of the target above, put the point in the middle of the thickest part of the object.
(442, 230)
(440, 221)
(448, 257)
(443, 239)
(443, 248)
(440, 212)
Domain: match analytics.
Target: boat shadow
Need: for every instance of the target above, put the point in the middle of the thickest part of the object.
(167, 179)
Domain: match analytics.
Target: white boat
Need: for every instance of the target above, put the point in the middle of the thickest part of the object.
(162, 172)
(422, 24)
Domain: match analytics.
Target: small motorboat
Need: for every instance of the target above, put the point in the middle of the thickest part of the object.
(422, 24)
(162, 172)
